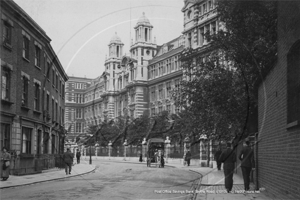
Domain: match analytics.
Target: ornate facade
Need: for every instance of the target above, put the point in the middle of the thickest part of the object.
(141, 81)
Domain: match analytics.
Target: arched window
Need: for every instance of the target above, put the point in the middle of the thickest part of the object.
(293, 84)
(189, 14)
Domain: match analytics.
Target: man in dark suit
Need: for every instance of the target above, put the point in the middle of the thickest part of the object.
(246, 156)
(68, 159)
(228, 157)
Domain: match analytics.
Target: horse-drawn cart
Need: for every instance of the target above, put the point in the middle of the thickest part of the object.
(155, 153)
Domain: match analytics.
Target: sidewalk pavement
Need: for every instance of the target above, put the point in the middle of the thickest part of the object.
(211, 188)
(46, 175)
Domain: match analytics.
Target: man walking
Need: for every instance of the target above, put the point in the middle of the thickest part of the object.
(78, 154)
(228, 157)
(246, 156)
(68, 159)
(217, 158)
(188, 156)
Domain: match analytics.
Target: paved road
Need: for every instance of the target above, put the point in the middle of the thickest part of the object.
(111, 181)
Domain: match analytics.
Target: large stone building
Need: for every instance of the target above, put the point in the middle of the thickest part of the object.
(32, 93)
(141, 81)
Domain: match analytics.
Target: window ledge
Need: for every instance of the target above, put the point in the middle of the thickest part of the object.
(26, 59)
(7, 46)
(37, 112)
(292, 124)
(6, 102)
(38, 67)
(25, 108)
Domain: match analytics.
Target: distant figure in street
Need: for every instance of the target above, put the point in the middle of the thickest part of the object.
(162, 160)
(6, 164)
(78, 154)
(188, 156)
(217, 156)
(228, 157)
(141, 158)
(247, 158)
(68, 159)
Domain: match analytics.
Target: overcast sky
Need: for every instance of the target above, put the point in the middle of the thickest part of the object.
(80, 30)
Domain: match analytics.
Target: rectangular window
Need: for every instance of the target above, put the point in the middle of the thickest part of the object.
(53, 144)
(56, 112)
(25, 92)
(62, 115)
(36, 96)
(204, 8)
(168, 87)
(26, 140)
(5, 84)
(78, 113)
(5, 139)
(142, 51)
(48, 71)
(37, 60)
(53, 109)
(78, 127)
(160, 91)
(25, 47)
(56, 85)
(7, 33)
(60, 86)
(63, 91)
(53, 77)
(46, 142)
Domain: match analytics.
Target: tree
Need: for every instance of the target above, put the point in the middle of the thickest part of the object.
(218, 92)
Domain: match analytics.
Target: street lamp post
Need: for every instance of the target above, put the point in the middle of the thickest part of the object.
(167, 142)
(125, 146)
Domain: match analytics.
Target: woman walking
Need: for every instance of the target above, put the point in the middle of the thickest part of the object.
(6, 164)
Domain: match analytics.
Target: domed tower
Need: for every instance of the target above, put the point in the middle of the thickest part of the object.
(113, 61)
(143, 48)
(115, 47)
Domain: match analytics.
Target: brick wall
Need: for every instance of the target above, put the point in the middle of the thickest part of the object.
(279, 146)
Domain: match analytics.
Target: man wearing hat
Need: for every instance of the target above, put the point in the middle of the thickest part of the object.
(68, 159)
(247, 158)
(228, 157)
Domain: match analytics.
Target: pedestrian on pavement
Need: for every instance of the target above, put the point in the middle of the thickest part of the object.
(228, 157)
(78, 154)
(188, 156)
(247, 158)
(162, 160)
(68, 159)
(217, 156)
(6, 164)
